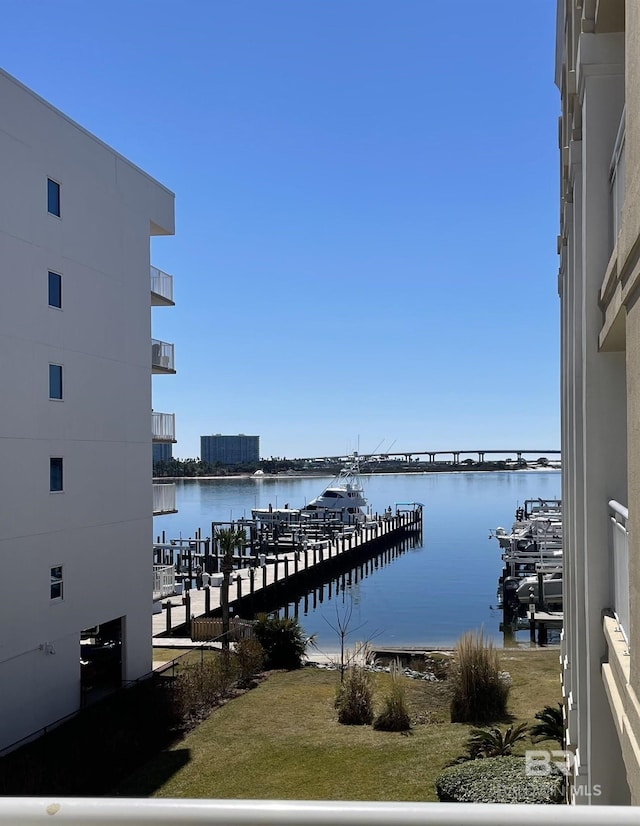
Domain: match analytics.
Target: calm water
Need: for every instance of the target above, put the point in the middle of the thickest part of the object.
(427, 596)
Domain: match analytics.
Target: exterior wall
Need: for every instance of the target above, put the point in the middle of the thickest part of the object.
(99, 528)
(597, 73)
(230, 450)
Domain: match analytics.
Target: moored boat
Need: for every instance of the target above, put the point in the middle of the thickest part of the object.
(342, 501)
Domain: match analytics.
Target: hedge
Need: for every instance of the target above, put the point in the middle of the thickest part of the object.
(498, 780)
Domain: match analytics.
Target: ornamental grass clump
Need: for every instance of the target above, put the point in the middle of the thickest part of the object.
(354, 698)
(395, 716)
(479, 688)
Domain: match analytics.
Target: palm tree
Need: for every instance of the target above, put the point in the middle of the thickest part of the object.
(229, 539)
(551, 725)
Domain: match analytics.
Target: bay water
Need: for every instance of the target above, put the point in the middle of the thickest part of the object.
(427, 596)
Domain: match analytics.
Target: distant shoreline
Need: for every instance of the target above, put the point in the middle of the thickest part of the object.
(311, 474)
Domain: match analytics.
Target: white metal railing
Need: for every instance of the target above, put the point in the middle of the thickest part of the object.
(162, 284)
(616, 179)
(164, 498)
(620, 550)
(162, 354)
(163, 426)
(164, 581)
(33, 811)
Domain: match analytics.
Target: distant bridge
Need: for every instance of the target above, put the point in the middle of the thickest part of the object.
(452, 456)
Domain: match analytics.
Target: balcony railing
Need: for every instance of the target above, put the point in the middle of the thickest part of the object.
(616, 178)
(30, 811)
(161, 287)
(620, 550)
(162, 356)
(164, 581)
(163, 427)
(164, 499)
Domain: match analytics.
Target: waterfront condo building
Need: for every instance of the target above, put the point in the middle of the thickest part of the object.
(76, 418)
(162, 451)
(598, 74)
(230, 450)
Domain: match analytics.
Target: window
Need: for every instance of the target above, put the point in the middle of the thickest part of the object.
(55, 290)
(56, 582)
(53, 197)
(55, 475)
(55, 381)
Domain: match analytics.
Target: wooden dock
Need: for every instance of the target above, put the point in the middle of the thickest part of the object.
(264, 582)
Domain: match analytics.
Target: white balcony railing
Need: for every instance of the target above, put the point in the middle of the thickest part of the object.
(162, 356)
(164, 499)
(163, 427)
(616, 178)
(162, 286)
(164, 581)
(620, 550)
(31, 811)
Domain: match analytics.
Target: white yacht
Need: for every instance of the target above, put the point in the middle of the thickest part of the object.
(343, 501)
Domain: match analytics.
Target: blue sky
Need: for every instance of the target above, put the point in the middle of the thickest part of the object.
(366, 208)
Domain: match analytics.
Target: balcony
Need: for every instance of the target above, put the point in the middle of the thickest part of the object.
(162, 360)
(620, 566)
(163, 427)
(164, 499)
(617, 184)
(161, 288)
(164, 580)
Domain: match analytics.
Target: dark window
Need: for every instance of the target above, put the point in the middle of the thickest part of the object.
(55, 381)
(55, 290)
(56, 582)
(53, 197)
(55, 474)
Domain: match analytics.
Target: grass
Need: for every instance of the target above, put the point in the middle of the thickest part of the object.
(282, 740)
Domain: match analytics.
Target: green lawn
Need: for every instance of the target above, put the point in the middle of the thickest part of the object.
(282, 741)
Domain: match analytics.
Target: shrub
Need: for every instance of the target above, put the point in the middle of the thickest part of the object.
(282, 640)
(479, 689)
(200, 687)
(395, 716)
(249, 659)
(499, 780)
(354, 698)
(493, 742)
(550, 725)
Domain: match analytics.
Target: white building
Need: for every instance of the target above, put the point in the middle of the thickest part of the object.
(75, 409)
(598, 74)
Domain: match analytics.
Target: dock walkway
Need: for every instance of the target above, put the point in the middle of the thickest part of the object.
(284, 569)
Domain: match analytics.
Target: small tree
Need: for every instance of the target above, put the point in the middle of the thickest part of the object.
(229, 540)
(361, 652)
(283, 641)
